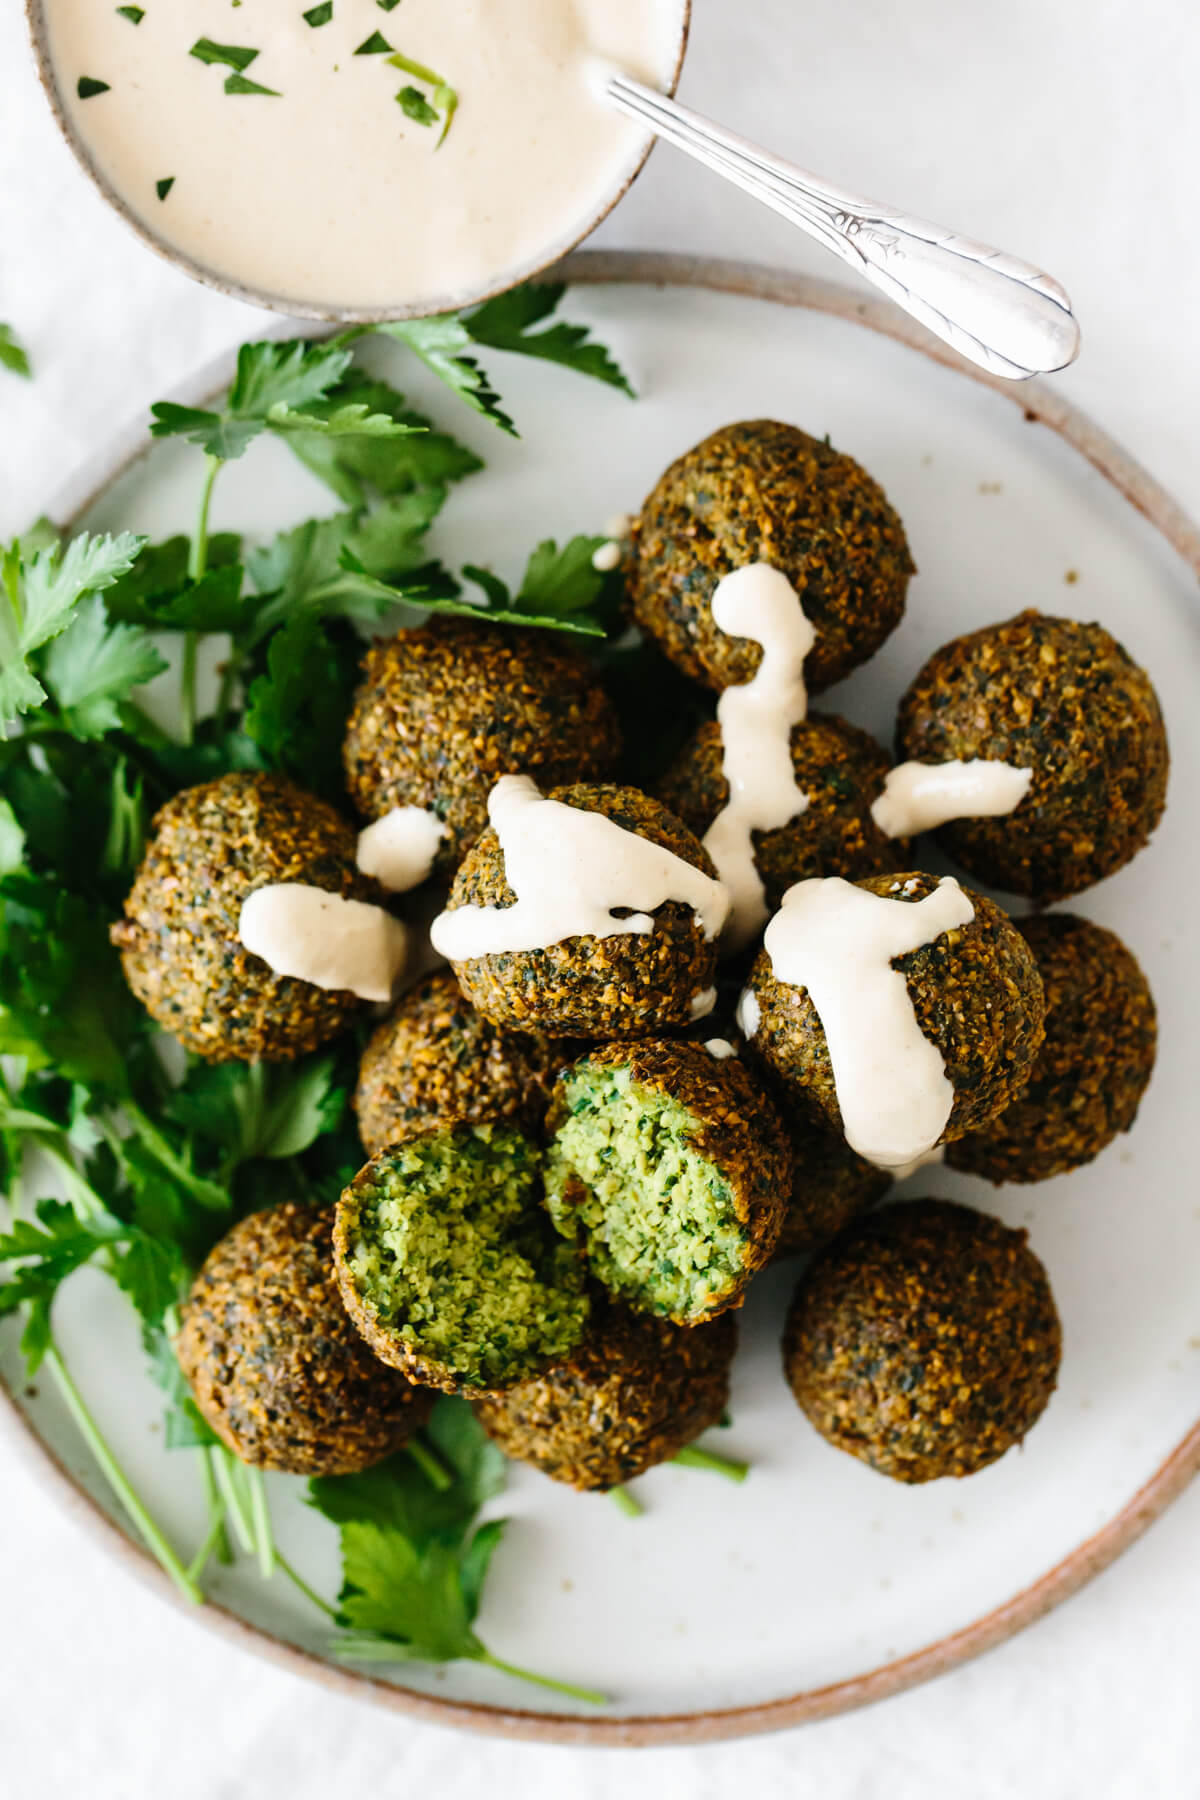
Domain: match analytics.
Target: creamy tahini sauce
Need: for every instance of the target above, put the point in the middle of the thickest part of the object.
(324, 939)
(398, 850)
(927, 1160)
(749, 1014)
(569, 869)
(756, 719)
(720, 1048)
(703, 1002)
(921, 796)
(837, 941)
(325, 192)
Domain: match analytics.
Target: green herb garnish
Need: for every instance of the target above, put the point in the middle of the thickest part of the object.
(387, 5)
(234, 56)
(318, 15)
(162, 188)
(242, 84)
(13, 355)
(87, 86)
(135, 14)
(375, 45)
(415, 106)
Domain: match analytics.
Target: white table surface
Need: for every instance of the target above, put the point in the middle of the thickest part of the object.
(1065, 130)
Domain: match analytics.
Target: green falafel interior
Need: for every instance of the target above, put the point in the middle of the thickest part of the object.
(659, 1220)
(449, 1265)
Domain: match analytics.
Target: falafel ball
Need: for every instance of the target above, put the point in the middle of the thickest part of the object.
(924, 1341)
(211, 847)
(447, 708)
(831, 1184)
(671, 1166)
(976, 993)
(1066, 700)
(630, 985)
(632, 1395)
(434, 1061)
(449, 1265)
(760, 491)
(839, 767)
(274, 1363)
(1090, 1073)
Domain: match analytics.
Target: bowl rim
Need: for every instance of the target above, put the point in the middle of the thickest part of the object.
(538, 264)
(1042, 405)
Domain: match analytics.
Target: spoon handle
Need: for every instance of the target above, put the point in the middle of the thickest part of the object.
(993, 308)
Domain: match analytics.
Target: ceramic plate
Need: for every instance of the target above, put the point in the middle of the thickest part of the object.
(818, 1584)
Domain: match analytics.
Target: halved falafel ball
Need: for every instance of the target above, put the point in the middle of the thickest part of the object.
(839, 767)
(831, 1184)
(924, 1341)
(626, 986)
(1066, 700)
(632, 1395)
(449, 1265)
(435, 1061)
(1091, 1072)
(274, 1363)
(212, 846)
(760, 491)
(446, 709)
(671, 1166)
(976, 993)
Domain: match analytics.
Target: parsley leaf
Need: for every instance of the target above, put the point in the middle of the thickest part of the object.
(442, 343)
(296, 710)
(234, 56)
(93, 664)
(158, 593)
(242, 84)
(318, 15)
(272, 380)
(415, 106)
(13, 357)
(355, 467)
(560, 590)
(269, 1110)
(38, 598)
(375, 45)
(505, 323)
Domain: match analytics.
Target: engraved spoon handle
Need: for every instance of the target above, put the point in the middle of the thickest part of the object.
(993, 308)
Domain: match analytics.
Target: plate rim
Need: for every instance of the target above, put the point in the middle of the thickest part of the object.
(1043, 405)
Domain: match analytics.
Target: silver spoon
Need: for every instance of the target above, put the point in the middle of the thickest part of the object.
(993, 308)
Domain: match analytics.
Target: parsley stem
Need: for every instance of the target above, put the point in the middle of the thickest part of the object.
(693, 1457)
(227, 1471)
(212, 1540)
(212, 1494)
(260, 1519)
(118, 1481)
(197, 564)
(298, 1581)
(161, 1150)
(430, 1463)
(591, 1695)
(624, 1500)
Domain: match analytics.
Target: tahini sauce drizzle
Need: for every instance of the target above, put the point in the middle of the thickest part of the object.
(569, 869)
(838, 941)
(921, 796)
(324, 939)
(756, 719)
(398, 850)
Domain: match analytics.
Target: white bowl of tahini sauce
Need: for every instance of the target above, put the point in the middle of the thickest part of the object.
(355, 159)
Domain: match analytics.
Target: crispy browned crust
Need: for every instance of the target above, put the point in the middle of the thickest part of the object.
(628, 986)
(434, 1060)
(211, 847)
(443, 711)
(760, 491)
(839, 767)
(831, 1184)
(738, 1130)
(276, 1367)
(925, 1341)
(976, 993)
(1065, 700)
(634, 1393)
(1092, 1070)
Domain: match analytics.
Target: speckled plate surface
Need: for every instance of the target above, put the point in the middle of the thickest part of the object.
(817, 1585)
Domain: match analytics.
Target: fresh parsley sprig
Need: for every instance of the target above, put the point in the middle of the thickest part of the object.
(13, 355)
